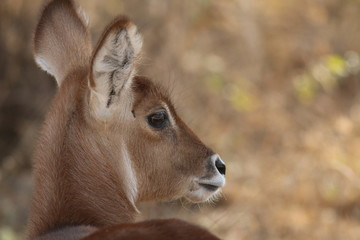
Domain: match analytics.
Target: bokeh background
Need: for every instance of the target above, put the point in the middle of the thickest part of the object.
(273, 86)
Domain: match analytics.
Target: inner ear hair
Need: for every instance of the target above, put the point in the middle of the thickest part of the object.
(114, 59)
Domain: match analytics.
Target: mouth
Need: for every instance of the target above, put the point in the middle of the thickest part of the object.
(205, 189)
(213, 183)
(209, 187)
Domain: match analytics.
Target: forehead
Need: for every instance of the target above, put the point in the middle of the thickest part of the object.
(149, 94)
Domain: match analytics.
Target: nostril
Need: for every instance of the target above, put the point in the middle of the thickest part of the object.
(220, 166)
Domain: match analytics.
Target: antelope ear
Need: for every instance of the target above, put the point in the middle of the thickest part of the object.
(113, 63)
(62, 40)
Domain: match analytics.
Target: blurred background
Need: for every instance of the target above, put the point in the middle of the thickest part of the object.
(273, 86)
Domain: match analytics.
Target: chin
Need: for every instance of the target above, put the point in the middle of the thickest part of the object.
(203, 194)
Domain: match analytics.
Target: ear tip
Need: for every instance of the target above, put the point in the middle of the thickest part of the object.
(121, 21)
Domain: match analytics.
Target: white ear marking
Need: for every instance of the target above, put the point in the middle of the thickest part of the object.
(41, 62)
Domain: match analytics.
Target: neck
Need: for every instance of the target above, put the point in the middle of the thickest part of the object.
(77, 182)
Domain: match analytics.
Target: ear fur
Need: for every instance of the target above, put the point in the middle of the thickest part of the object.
(61, 39)
(113, 62)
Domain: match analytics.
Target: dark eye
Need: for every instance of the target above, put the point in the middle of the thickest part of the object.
(158, 120)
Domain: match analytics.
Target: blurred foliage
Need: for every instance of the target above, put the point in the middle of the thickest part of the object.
(7, 233)
(273, 86)
(326, 74)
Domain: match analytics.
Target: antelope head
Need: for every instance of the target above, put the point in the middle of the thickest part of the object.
(163, 158)
(117, 118)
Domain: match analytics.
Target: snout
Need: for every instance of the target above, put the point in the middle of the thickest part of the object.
(215, 176)
(208, 185)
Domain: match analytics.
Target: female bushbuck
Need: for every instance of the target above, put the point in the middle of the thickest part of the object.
(110, 139)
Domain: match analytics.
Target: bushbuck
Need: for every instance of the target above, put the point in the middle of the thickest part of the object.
(110, 139)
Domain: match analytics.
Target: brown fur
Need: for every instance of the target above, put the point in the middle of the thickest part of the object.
(79, 173)
(153, 230)
(75, 158)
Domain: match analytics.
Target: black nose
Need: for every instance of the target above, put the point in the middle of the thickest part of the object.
(220, 166)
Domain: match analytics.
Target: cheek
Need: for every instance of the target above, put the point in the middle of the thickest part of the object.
(161, 157)
(187, 165)
(148, 154)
